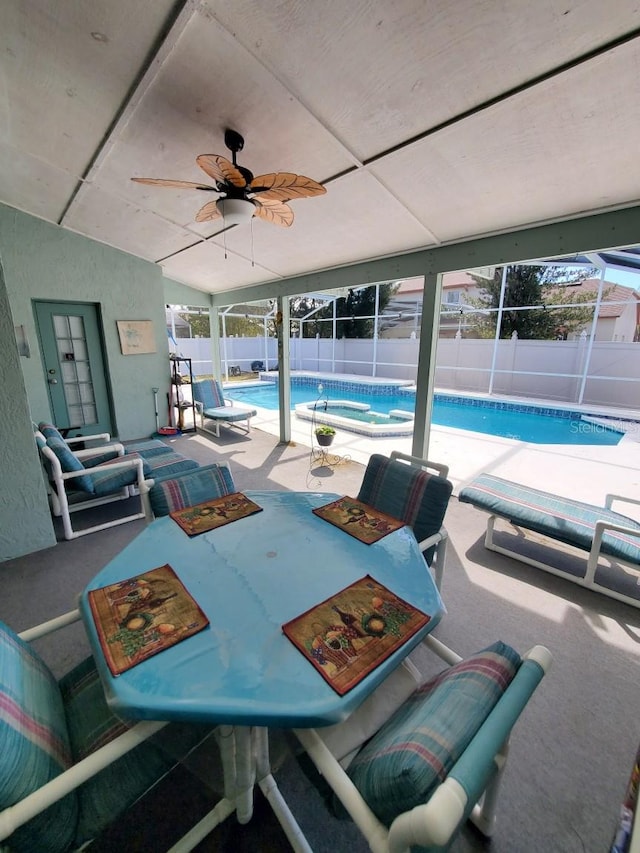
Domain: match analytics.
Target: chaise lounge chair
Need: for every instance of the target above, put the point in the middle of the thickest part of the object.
(599, 531)
(211, 405)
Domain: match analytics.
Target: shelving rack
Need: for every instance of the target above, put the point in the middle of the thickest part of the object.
(179, 381)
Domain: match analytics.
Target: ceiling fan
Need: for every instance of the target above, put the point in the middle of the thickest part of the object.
(241, 195)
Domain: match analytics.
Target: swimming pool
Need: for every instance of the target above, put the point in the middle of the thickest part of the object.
(535, 424)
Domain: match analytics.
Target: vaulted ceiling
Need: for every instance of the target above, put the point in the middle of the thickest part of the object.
(428, 122)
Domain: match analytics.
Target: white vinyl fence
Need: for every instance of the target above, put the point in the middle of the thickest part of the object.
(606, 373)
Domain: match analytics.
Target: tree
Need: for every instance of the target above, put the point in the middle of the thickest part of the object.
(351, 312)
(199, 324)
(545, 287)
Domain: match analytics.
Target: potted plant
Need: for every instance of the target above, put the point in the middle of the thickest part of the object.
(324, 435)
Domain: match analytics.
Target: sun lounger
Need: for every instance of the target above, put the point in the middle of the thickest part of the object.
(611, 540)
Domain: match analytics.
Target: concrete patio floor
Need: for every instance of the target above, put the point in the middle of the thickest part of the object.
(584, 472)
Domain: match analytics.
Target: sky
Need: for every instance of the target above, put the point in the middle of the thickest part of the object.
(629, 279)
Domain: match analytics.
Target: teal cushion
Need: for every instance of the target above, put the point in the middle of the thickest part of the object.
(108, 480)
(194, 487)
(168, 465)
(146, 449)
(92, 725)
(49, 430)
(566, 520)
(34, 745)
(69, 462)
(407, 492)
(401, 766)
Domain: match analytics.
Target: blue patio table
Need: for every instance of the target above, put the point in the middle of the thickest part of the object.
(242, 673)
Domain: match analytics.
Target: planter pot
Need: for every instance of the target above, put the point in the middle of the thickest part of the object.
(324, 440)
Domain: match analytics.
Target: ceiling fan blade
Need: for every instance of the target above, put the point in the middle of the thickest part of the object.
(208, 212)
(179, 185)
(284, 186)
(221, 169)
(274, 211)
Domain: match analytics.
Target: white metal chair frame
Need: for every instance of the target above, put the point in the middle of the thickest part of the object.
(441, 538)
(60, 506)
(436, 821)
(245, 759)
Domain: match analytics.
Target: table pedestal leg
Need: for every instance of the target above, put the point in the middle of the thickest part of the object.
(275, 799)
(245, 773)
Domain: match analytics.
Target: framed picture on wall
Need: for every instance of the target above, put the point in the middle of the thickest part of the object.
(136, 336)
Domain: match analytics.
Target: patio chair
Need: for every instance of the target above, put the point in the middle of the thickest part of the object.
(188, 489)
(93, 477)
(566, 525)
(402, 486)
(68, 767)
(211, 405)
(436, 759)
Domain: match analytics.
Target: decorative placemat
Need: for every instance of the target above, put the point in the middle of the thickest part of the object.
(359, 519)
(349, 634)
(143, 615)
(214, 513)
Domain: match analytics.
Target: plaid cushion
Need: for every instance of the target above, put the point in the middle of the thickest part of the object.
(194, 487)
(100, 458)
(107, 481)
(209, 393)
(413, 752)
(147, 449)
(92, 725)
(34, 744)
(49, 430)
(408, 493)
(168, 465)
(566, 520)
(69, 462)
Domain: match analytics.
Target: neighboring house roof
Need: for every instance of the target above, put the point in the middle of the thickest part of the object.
(616, 293)
(180, 322)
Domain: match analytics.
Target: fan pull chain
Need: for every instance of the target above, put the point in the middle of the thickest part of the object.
(224, 240)
(252, 260)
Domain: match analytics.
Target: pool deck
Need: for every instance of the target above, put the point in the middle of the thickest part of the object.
(584, 472)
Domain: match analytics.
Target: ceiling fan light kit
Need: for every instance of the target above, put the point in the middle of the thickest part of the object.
(241, 196)
(236, 211)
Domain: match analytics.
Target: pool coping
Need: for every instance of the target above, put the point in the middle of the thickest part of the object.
(311, 412)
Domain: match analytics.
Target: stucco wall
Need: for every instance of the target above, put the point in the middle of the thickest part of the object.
(25, 522)
(42, 261)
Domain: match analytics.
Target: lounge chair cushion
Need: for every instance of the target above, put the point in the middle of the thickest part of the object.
(34, 744)
(563, 519)
(165, 465)
(191, 488)
(208, 392)
(400, 767)
(49, 430)
(408, 493)
(149, 448)
(69, 462)
(108, 481)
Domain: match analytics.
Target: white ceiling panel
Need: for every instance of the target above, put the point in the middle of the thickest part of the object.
(67, 67)
(405, 110)
(556, 151)
(32, 184)
(355, 214)
(116, 222)
(378, 73)
(205, 267)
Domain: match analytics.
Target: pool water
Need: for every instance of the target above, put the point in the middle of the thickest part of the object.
(524, 423)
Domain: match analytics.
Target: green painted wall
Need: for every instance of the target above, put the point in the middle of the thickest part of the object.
(25, 522)
(42, 261)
